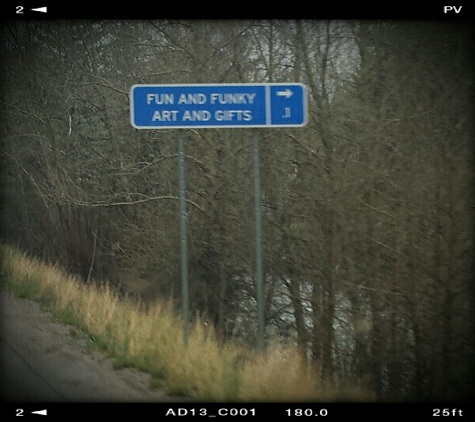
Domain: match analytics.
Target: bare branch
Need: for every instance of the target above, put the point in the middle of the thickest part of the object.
(386, 246)
(380, 211)
(128, 203)
(28, 113)
(108, 84)
(148, 165)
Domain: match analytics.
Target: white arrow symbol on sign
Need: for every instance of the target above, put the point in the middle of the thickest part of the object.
(287, 93)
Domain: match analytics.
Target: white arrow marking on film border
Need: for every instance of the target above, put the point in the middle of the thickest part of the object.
(287, 93)
(40, 9)
(40, 412)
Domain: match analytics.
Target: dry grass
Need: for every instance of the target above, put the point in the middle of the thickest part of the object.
(151, 339)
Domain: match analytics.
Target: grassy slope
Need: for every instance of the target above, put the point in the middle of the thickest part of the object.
(151, 340)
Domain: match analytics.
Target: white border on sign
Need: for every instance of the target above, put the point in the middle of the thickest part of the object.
(267, 87)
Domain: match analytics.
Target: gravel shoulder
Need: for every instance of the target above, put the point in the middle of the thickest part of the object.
(41, 362)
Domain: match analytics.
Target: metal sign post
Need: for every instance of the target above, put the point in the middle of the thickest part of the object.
(258, 241)
(219, 106)
(184, 249)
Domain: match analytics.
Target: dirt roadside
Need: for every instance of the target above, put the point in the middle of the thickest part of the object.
(41, 362)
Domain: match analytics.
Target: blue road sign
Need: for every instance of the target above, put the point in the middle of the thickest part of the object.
(218, 106)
